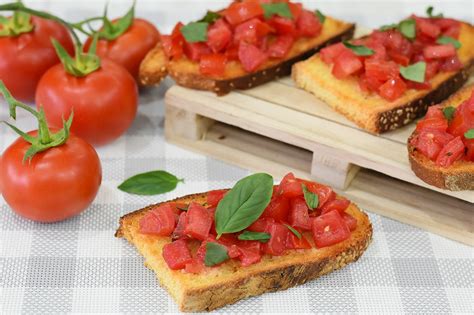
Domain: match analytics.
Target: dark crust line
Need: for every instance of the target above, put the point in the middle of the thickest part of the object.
(403, 115)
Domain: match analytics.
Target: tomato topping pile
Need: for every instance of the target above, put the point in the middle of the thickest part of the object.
(250, 32)
(398, 57)
(446, 135)
(287, 223)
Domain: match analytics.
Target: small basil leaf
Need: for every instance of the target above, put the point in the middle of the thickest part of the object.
(429, 12)
(388, 27)
(244, 203)
(150, 183)
(443, 40)
(408, 28)
(280, 8)
(469, 134)
(448, 112)
(294, 231)
(215, 254)
(254, 236)
(414, 72)
(320, 16)
(195, 32)
(210, 17)
(312, 200)
(185, 208)
(359, 50)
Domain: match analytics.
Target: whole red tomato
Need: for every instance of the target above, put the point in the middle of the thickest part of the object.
(58, 183)
(130, 48)
(104, 101)
(26, 57)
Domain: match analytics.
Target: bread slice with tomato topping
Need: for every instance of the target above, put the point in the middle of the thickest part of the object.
(242, 47)
(439, 152)
(378, 81)
(247, 273)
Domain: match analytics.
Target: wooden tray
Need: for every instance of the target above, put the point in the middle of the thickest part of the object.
(279, 128)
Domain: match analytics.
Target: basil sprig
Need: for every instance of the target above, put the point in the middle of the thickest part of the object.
(321, 17)
(443, 40)
(359, 50)
(215, 254)
(429, 12)
(150, 183)
(312, 200)
(280, 8)
(254, 236)
(244, 203)
(469, 134)
(195, 32)
(210, 17)
(415, 72)
(448, 112)
(294, 231)
(406, 27)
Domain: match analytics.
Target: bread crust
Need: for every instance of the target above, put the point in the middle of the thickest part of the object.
(229, 282)
(186, 72)
(460, 175)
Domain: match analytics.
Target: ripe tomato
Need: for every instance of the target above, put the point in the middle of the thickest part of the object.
(431, 141)
(195, 51)
(198, 222)
(281, 46)
(130, 48)
(213, 64)
(439, 51)
(277, 243)
(104, 102)
(451, 152)
(219, 35)
(277, 209)
(308, 24)
(251, 57)
(25, 58)
(239, 12)
(299, 216)
(330, 229)
(58, 183)
(215, 196)
(159, 221)
(346, 64)
(392, 89)
(177, 254)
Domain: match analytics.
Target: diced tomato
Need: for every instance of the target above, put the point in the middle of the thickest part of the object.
(299, 216)
(195, 266)
(230, 241)
(195, 51)
(239, 12)
(325, 193)
(232, 52)
(330, 53)
(179, 230)
(381, 70)
(198, 222)
(451, 152)
(276, 244)
(281, 46)
(212, 214)
(160, 221)
(463, 119)
(435, 123)
(296, 9)
(173, 44)
(329, 229)
(392, 89)
(346, 63)
(282, 26)
(177, 255)
(219, 35)
(367, 83)
(336, 204)
(399, 58)
(308, 24)
(439, 51)
(451, 64)
(350, 221)
(469, 143)
(261, 224)
(290, 187)
(251, 57)
(449, 27)
(278, 208)
(249, 252)
(293, 242)
(251, 31)
(434, 112)
(430, 142)
(213, 64)
(427, 28)
(214, 196)
(418, 86)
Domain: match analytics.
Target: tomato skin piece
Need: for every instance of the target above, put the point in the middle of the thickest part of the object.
(177, 255)
(280, 47)
(261, 224)
(451, 152)
(439, 51)
(392, 89)
(290, 186)
(213, 64)
(276, 245)
(180, 226)
(160, 221)
(329, 229)
(350, 221)
(239, 12)
(308, 24)
(25, 58)
(282, 26)
(219, 35)
(325, 193)
(198, 222)
(251, 57)
(381, 70)
(293, 242)
(130, 48)
(336, 204)
(195, 51)
(346, 64)
(435, 123)
(104, 102)
(249, 252)
(215, 196)
(430, 142)
(299, 216)
(330, 53)
(72, 171)
(251, 32)
(278, 208)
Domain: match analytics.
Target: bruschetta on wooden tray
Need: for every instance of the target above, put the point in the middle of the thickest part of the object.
(247, 44)
(213, 249)
(441, 149)
(385, 80)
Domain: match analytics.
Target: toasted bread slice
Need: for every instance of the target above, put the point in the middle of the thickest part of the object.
(186, 72)
(230, 282)
(460, 175)
(372, 112)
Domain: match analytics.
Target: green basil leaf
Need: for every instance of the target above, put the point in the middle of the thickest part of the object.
(320, 16)
(195, 32)
(415, 72)
(359, 50)
(254, 236)
(150, 183)
(312, 200)
(429, 12)
(388, 27)
(215, 254)
(280, 8)
(210, 17)
(443, 40)
(244, 203)
(448, 112)
(408, 28)
(294, 231)
(469, 134)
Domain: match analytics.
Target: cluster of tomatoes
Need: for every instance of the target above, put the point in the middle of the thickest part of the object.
(63, 180)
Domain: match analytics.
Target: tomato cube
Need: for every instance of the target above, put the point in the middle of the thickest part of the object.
(399, 58)
(213, 64)
(249, 252)
(439, 51)
(336, 204)
(278, 208)
(261, 224)
(299, 216)
(282, 26)
(469, 143)
(160, 221)
(296, 9)
(215, 196)
(392, 89)
(251, 57)
(276, 245)
(435, 123)
(195, 51)
(350, 221)
(346, 63)
(434, 111)
(219, 35)
(325, 193)
(381, 70)
(427, 28)
(251, 31)
(290, 187)
(308, 24)
(329, 229)
(239, 12)
(330, 53)
(451, 152)
(430, 142)
(293, 242)
(198, 222)
(177, 255)
(179, 230)
(451, 64)
(280, 47)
